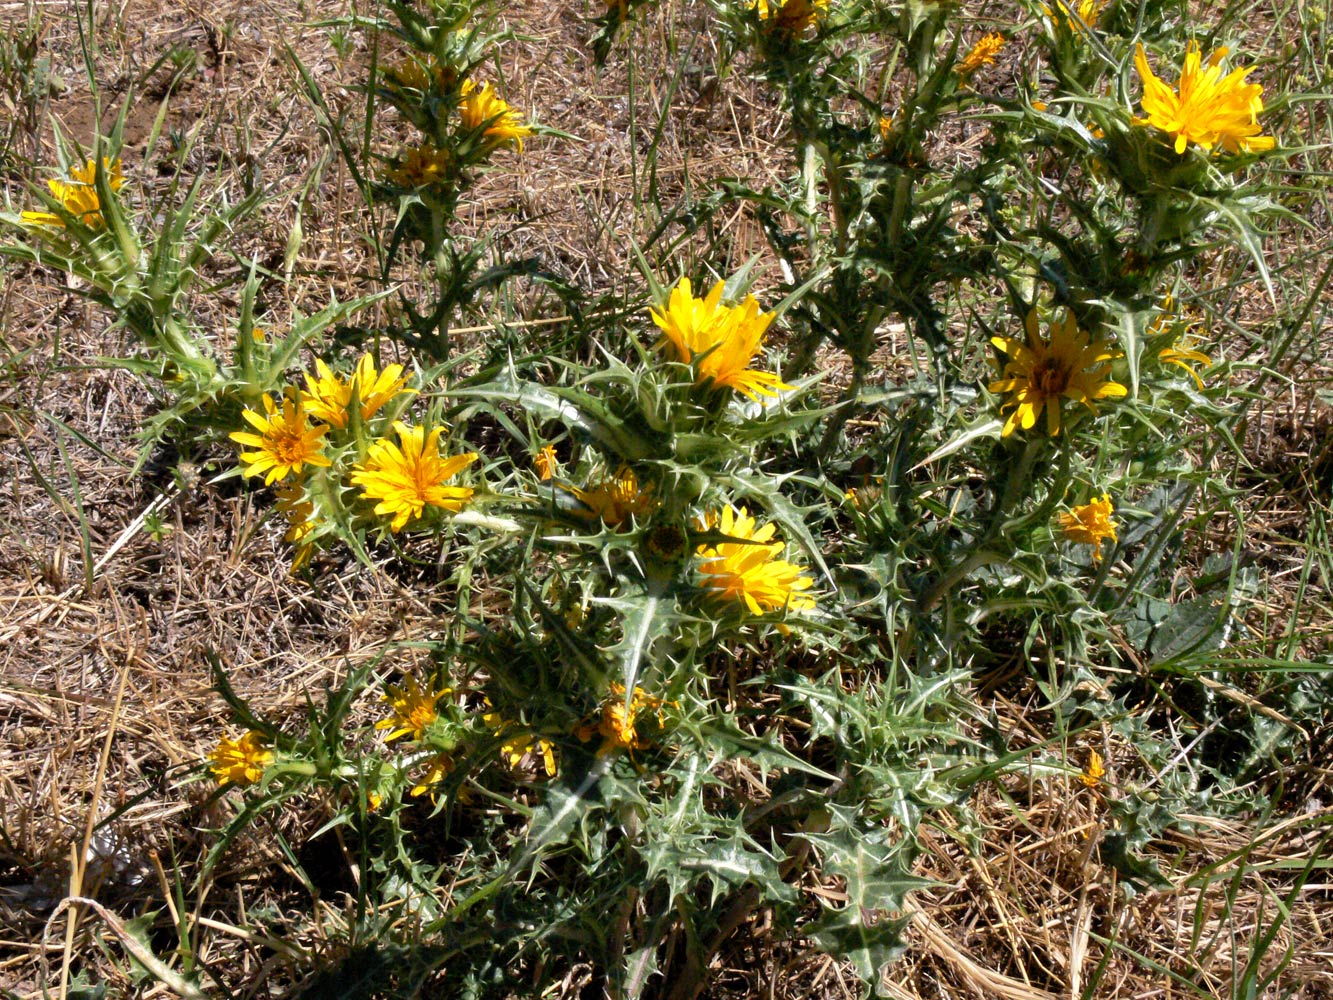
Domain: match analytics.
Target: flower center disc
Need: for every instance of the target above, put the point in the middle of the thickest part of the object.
(1050, 377)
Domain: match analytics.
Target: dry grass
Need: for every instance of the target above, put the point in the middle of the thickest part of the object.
(105, 700)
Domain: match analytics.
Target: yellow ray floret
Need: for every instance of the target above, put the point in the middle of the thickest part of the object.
(481, 107)
(1040, 372)
(285, 442)
(78, 195)
(409, 478)
(719, 340)
(241, 761)
(1206, 108)
(1090, 524)
(751, 571)
(412, 708)
(327, 397)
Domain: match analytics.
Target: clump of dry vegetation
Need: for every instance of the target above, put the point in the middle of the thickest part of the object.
(665, 500)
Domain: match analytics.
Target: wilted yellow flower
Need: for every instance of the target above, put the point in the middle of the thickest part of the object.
(617, 722)
(1182, 351)
(1090, 524)
(720, 340)
(1096, 770)
(78, 195)
(405, 480)
(751, 571)
(1088, 12)
(422, 166)
(242, 761)
(327, 397)
(1207, 108)
(1182, 355)
(789, 17)
(545, 462)
(299, 511)
(482, 107)
(982, 53)
(1040, 372)
(286, 442)
(413, 708)
(617, 499)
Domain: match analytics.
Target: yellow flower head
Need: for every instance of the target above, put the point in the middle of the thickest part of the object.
(327, 397)
(422, 166)
(407, 479)
(982, 53)
(789, 17)
(78, 195)
(617, 499)
(437, 768)
(519, 745)
(286, 442)
(413, 709)
(1088, 12)
(545, 462)
(720, 340)
(1096, 770)
(1182, 351)
(482, 107)
(1090, 524)
(1206, 108)
(617, 722)
(242, 761)
(751, 572)
(1040, 372)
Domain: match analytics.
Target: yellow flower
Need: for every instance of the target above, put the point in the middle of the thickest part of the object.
(242, 761)
(1207, 108)
(720, 340)
(413, 709)
(327, 397)
(617, 723)
(1088, 12)
(1090, 524)
(408, 479)
(790, 17)
(545, 462)
(1040, 372)
(751, 572)
(437, 768)
(1096, 770)
(481, 108)
(422, 166)
(78, 195)
(516, 747)
(286, 442)
(982, 53)
(299, 511)
(617, 499)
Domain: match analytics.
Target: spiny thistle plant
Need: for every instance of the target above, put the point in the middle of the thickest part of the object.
(729, 627)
